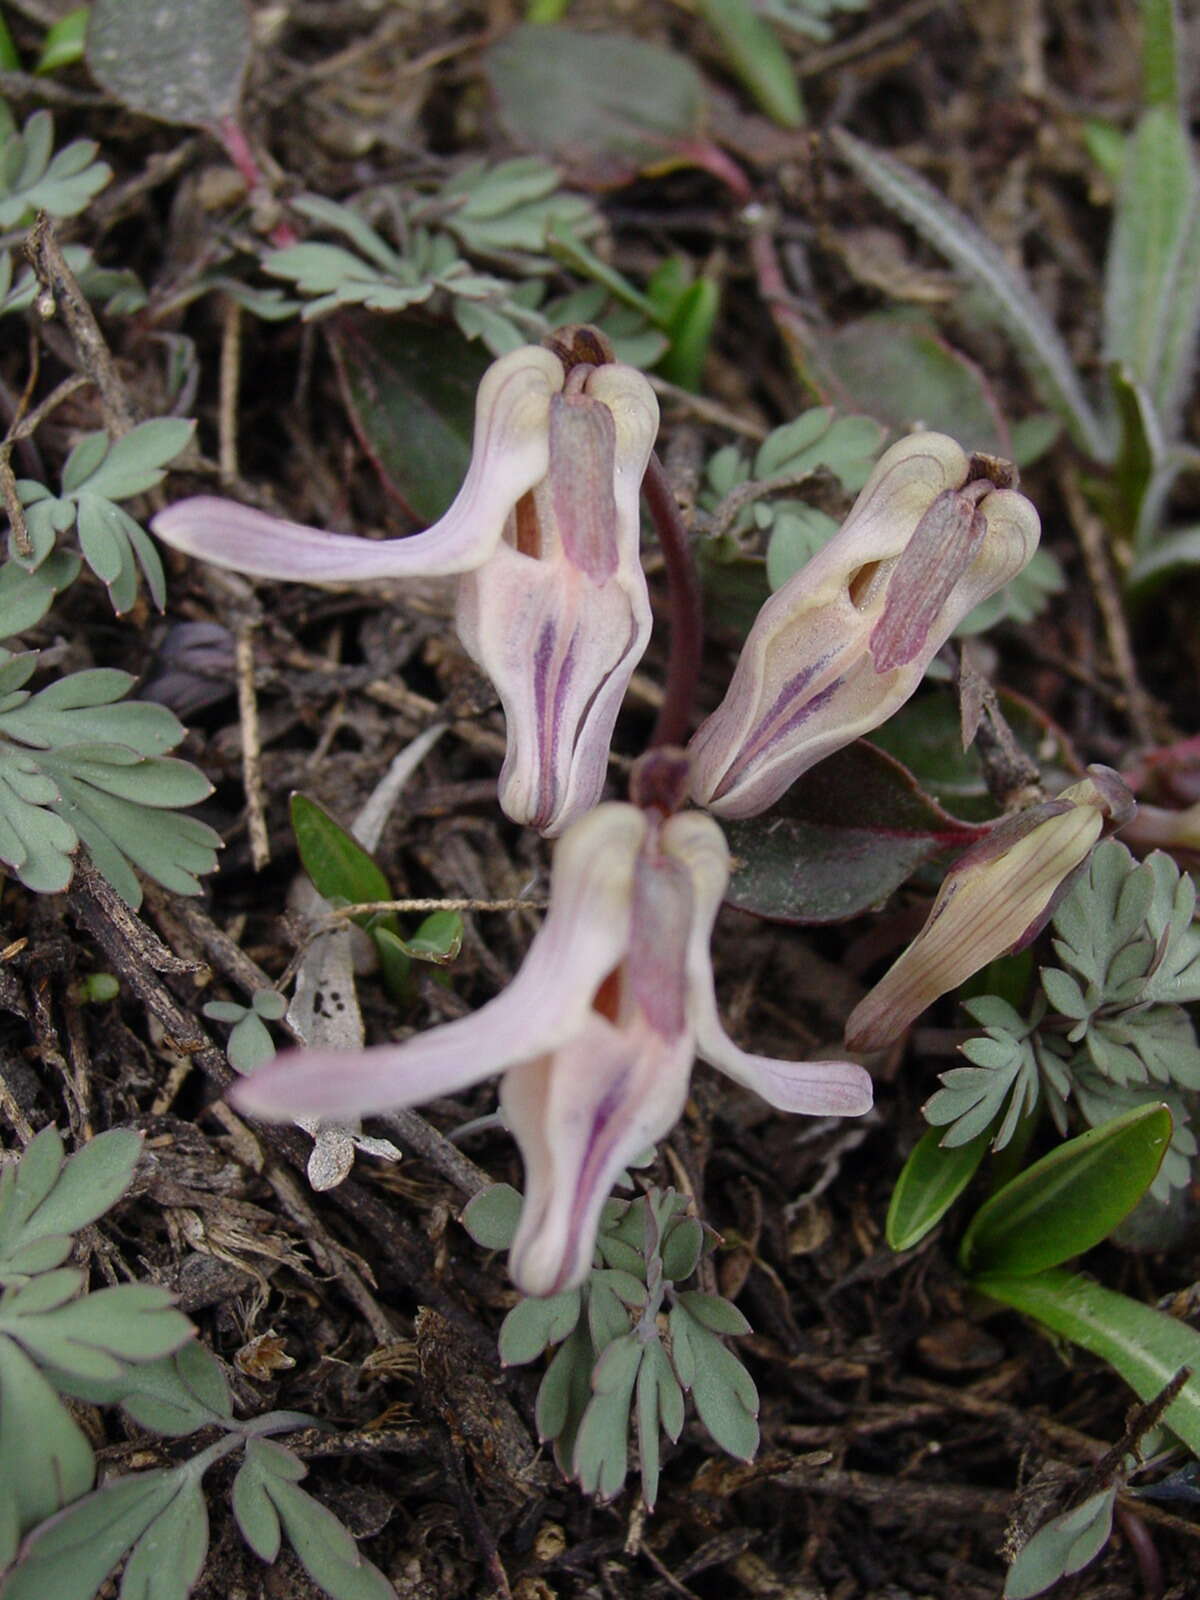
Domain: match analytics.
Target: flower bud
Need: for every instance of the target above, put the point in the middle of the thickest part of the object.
(995, 899)
(843, 644)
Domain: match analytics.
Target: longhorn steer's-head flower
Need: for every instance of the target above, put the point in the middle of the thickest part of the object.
(595, 1036)
(544, 537)
(995, 899)
(847, 639)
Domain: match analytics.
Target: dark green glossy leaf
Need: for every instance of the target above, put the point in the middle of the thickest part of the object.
(926, 737)
(757, 57)
(1145, 1346)
(1071, 1199)
(895, 367)
(63, 44)
(840, 841)
(341, 870)
(930, 1181)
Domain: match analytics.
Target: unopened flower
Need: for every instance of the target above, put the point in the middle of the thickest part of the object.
(847, 639)
(595, 1037)
(995, 899)
(544, 535)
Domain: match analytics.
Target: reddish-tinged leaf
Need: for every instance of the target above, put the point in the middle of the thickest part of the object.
(840, 841)
(410, 391)
(606, 106)
(894, 367)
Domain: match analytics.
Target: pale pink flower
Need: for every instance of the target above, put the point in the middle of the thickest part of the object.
(595, 1036)
(544, 537)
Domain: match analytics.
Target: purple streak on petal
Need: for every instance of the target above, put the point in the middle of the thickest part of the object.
(768, 738)
(580, 1116)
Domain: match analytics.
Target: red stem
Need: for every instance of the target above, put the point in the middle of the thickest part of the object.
(687, 623)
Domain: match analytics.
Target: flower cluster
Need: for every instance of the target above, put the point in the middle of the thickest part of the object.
(596, 1036)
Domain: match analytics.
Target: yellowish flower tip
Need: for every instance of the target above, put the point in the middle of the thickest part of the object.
(995, 899)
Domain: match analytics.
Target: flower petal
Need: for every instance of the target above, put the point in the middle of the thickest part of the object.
(845, 641)
(817, 1088)
(560, 650)
(580, 1116)
(585, 935)
(994, 899)
(509, 456)
(560, 632)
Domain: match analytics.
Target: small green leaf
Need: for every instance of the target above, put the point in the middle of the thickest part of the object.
(96, 1335)
(532, 1324)
(713, 1311)
(1071, 1199)
(70, 1557)
(63, 44)
(757, 57)
(681, 1249)
(1062, 1546)
(725, 1394)
(689, 330)
(602, 1444)
(930, 1181)
(564, 1393)
(45, 1460)
(325, 1549)
(341, 870)
(256, 1516)
(250, 1044)
(492, 1216)
(168, 1559)
(1145, 1346)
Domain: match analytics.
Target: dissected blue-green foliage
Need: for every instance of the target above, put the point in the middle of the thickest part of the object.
(1109, 1030)
(614, 1358)
(127, 1346)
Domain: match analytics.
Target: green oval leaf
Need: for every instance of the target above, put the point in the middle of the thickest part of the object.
(335, 861)
(1071, 1199)
(930, 1181)
(178, 63)
(1147, 1347)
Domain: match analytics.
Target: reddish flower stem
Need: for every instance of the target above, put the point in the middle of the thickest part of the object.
(687, 623)
(237, 148)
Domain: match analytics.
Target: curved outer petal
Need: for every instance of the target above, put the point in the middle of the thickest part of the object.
(806, 682)
(559, 646)
(580, 1115)
(816, 1088)
(994, 899)
(561, 651)
(585, 935)
(509, 456)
